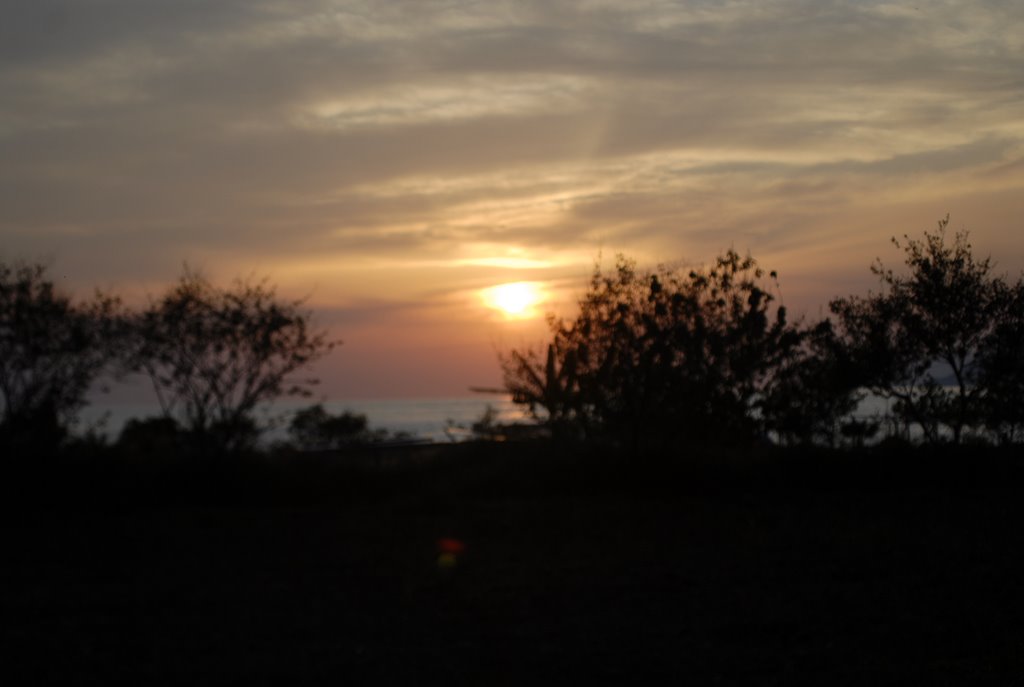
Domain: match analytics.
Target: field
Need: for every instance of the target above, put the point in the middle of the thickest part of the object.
(579, 568)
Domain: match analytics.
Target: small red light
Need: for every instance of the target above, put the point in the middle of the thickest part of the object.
(449, 545)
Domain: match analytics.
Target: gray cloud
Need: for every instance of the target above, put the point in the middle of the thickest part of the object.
(268, 129)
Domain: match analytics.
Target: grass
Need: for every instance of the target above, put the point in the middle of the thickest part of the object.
(580, 567)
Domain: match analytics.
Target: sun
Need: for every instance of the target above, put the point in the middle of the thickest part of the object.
(515, 299)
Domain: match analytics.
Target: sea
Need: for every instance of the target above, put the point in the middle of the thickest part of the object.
(438, 420)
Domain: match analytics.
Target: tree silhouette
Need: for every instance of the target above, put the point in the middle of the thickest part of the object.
(663, 356)
(1001, 369)
(213, 355)
(551, 386)
(929, 324)
(51, 351)
(815, 388)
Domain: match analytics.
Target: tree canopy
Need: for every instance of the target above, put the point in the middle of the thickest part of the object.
(925, 339)
(661, 355)
(214, 355)
(673, 355)
(52, 350)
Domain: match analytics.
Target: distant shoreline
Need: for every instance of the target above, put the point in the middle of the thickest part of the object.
(424, 418)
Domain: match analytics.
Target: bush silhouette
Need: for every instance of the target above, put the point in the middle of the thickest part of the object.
(160, 436)
(314, 428)
(51, 351)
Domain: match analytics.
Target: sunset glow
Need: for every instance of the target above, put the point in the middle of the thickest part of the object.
(515, 300)
(432, 177)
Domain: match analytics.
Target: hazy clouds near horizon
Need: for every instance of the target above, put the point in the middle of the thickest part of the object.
(389, 158)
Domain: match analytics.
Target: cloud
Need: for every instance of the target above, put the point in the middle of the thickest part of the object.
(412, 140)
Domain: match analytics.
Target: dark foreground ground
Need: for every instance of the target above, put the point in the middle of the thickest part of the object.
(578, 569)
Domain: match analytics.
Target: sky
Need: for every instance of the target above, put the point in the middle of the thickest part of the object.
(392, 162)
